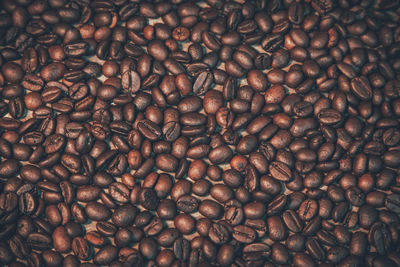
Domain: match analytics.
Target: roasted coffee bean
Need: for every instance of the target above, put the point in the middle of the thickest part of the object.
(329, 116)
(280, 171)
(358, 245)
(97, 211)
(53, 71)
(392, 202)
(148, 199)
(243, 234)
(39, 241)
(257, 80)
(203, 83)
(9, 168)
(315, 249)
(256, 251)
(81, 248)
(219, 233)
(188, 204)
(184, 223)
(276, 227)
(105, 255)
(361, 87)
(380, 237)
(149, 129)
(271, 42)
(292, 221)
(61, 240)
(119, 192)
(130, 81)
(210, 209)
(27, 203)
(308, 209)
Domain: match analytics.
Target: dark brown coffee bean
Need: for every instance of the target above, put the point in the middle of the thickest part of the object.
(380, 237)
(280, 171)
(184, 223)
(243, 234)
(166, 162)
(271, 42)
(149, 129)
(292, 221)
(210, 209)
(39, 241)
(257, 80)
(203, 83)
(220, 154)
(148, 199)
(97, 211)
(105, 255)
(130, 81)
(157, 50)
(219, 233)
(308, 209)
(9, 168)
(329, 116)
(211, 41)
(53, 71)
(61, 240)
(254, 210)
(81, 248)
(315, 249)
(361, 87)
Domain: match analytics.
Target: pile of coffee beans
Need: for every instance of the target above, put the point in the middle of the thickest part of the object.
(199, 133)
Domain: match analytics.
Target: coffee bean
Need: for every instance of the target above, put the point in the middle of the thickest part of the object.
(187, 203)
(257, 80)
(243, 234)
(148, 248)
(8, 168)
(329, 116)
(149, 129)
(105, 255)
(210, 41)
(39, 241)
(148, 199)
(271, 42)
(280, 171)
(277, 230)
(157, 50)
(391, 158)
(315, 249)
(61, 240)
(210, 209)
(379, 236)
(81, 248)
(292, 221)
(12, 72)
(308, 209)
(184, 223)
(97, 211)
(256, 251)
(361, 87)
(220, 154)
(358, 244)
(219, 234)
(392, 202)
(53, 71)
(202, 83)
